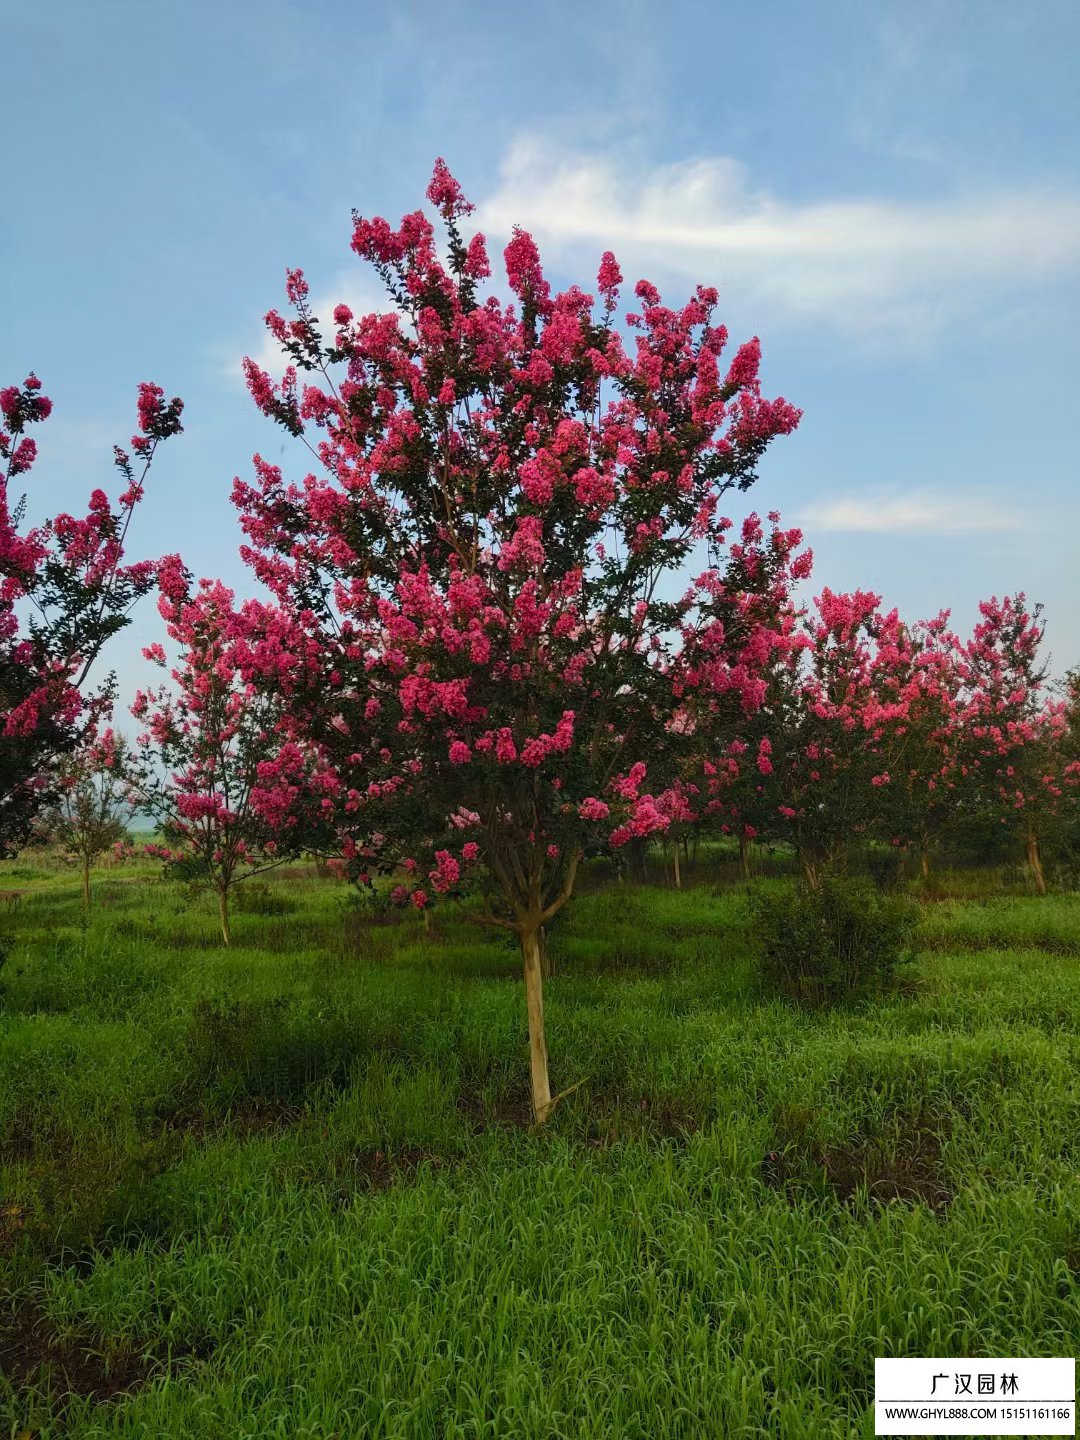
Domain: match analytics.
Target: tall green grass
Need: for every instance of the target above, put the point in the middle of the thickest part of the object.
(295, 1175)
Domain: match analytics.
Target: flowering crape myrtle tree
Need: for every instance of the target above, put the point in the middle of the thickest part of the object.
(1014, 750)
(926, 678)
(501, 486)
(64, 590)
(839, 730)
(732, 674)
(93, 808)
(216, 764)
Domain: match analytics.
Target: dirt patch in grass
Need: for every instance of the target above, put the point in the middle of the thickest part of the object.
(18, 1145)
(598, 1117)
(381, 1169)
(257, 1115)
(342, 1178)
(508, 1112)
(75, 1197)
(35, 1354)
(907, 1168)
(608, 1118)
(252, 1116)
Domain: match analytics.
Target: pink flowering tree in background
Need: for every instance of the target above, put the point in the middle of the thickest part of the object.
(1014, 755)
(840, 730)
(1070, 757)
(93, 808)
(499, 488)
(217, 765)
(926, 680)
(64, 591)
(739, 647)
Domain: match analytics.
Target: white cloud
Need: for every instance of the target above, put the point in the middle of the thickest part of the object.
(863, 263)
(912, 512)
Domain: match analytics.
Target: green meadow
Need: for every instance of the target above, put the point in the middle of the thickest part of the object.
(291, 1189)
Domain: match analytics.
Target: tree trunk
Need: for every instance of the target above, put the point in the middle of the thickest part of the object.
(744, 857)
(678, 872)
(637, 857)
(1035, 862)
(810, 868)
(534, 999)
(86, 881)
(223, 911)
(924, 862)
(546, 967)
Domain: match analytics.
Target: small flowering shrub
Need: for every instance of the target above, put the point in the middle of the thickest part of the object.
(836, 941)
(92, 811)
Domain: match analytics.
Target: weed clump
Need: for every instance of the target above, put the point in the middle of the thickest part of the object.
(840, 940)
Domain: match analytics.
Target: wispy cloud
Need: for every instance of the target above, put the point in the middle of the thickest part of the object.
(865, 264)
(912, 512)
(359, 289)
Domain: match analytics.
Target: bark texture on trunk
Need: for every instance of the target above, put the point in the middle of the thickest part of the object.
(811, 869)
(223, 912)
(1035, 862)
(678, 872)
(546, 967)
(924, 862)
(744, 857)
(534, 999)
(86, 881)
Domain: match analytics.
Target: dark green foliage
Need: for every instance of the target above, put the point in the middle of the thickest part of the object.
(838, 941)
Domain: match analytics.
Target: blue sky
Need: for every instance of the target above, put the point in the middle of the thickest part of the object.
(888, 194)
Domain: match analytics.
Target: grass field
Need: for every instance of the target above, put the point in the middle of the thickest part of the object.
(290, 1189)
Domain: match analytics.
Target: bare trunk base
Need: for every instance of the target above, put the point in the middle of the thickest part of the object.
(86, 883)
(534, 1000)
(811, 870)
(223, 912)
(678, 872)
(1035, 864)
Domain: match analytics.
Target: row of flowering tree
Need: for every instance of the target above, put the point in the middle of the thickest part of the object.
(871, 729)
